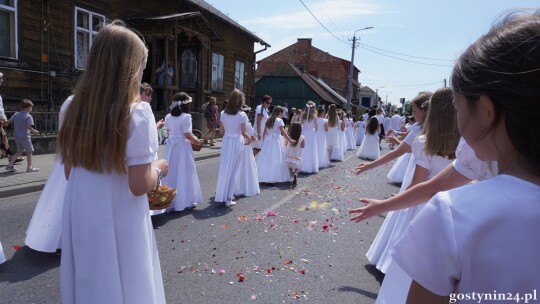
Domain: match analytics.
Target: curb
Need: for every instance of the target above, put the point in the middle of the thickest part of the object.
(39, 185)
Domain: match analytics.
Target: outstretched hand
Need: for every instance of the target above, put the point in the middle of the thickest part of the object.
(363, 167)
(372, 208)
(392, 140)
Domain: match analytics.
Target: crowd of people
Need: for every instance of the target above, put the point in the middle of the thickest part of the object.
(435, 244)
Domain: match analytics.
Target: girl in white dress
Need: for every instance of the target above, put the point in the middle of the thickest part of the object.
(360, 130)
(332, 136)
(379, 253)
(271, 161)
(320, 135)
(44, 232)
(349, 131)
(261, 115)
(247, 178)
(464, 239)
(338, 153)
(369, 149)
(108, 144)
(310, 156)
(433, 151)
(179, 154)
(232, 126)
(294, 151)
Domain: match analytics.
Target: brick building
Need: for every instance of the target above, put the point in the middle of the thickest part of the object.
(332, 70)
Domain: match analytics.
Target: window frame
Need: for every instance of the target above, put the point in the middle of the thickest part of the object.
(219, 69)
(90, 31)
(192, 62)
(14, 32)
(240, 84)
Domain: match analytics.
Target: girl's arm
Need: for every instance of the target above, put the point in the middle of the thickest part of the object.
(326, 126)
(397, 152)
(286, 135)
(190, 136)
(259, 118)
(303, 144)
(221, 128)
(245, 134)
(418, 294)
(447, 179)
(342, 125)
(143, 178)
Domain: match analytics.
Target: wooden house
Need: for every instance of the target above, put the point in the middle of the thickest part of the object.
(44, 47)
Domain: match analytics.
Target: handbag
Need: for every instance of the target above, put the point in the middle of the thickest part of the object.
(161, 196)
(196, 145)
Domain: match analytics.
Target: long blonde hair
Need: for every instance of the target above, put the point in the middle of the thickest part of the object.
(332, 116)
(95, 129)
(440, 125)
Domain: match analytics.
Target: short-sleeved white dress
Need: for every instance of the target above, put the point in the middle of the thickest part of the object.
(247, 178)
(109, 252)
(310, 154)
(271, 161)
(322, 147)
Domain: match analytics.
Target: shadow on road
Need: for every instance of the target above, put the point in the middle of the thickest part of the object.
(26, 264)
(376, 273)
(368, 294)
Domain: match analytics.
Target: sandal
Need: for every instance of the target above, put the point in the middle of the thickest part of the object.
(32, 169)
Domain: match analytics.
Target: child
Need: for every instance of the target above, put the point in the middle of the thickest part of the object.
(332, 136)
(179, 155)
(232, 127)
(349, 131)
(310, 157)
(23, 127)
(320, 135)
(108, 144)
(271, 162)
(369, 149)
(294, 152)
(360, 130)
(247, 178)
(464, 239)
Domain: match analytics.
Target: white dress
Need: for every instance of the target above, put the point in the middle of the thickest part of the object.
(338, 152)
(360, 132)
(322, 148)
(232, 149)
(264, 112)
(476, 238)
(398, 170)
(395, 284)
(379, 252)
(369, 149)
(294, 154)
(310, 155)
(44, 233)
(109, 252)
(349, 133)
(2, 256)
(271, 161)
(182, 173)
(247, 178)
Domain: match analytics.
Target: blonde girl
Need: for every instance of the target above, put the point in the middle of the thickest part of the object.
(332, 137)
(294, 151)
(310, 158)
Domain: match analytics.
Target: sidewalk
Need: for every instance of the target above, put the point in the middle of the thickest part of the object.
(20, 182)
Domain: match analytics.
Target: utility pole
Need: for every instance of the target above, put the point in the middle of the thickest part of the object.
(351, 69)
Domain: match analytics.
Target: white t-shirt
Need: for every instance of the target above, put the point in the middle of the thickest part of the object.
(260, 110)
(477, 238)
(2, 113)
(285, 113)
(396, 122)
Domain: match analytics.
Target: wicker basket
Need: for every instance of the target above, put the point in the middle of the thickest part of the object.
(161, 197)
(196, 145)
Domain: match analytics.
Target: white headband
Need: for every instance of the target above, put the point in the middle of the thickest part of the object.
(178, 103)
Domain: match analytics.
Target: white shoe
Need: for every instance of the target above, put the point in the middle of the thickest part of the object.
(230, 203)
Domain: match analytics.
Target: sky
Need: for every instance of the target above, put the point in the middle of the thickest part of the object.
(411, 48)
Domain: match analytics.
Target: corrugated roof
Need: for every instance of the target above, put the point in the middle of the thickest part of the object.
(320, 87)
(209, 8)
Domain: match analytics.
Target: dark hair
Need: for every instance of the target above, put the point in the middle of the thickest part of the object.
(373, 125)
(295, 131)
(183, 108)
(320, 110)
(25, 103)
(504, 65)
(266, 98)
(275, 114)
(236, 101)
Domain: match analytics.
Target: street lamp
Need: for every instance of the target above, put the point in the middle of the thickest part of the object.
(351, 68)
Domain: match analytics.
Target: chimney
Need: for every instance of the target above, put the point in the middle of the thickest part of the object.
(304, 42)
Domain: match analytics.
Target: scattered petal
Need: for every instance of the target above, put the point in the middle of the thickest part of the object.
(271, 213)
(240, 277)
(16, 247)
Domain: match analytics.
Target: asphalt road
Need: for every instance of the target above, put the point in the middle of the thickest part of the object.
(289, 245)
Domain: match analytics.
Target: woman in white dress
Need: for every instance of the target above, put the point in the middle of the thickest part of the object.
(44, 232)
(349, 131)
(310, 156)
(458, 229)
(369, 149)
(232, 126)
(179, 154)
(320, 135)
(261, 115)
(247, 178)
(379, 253)
(108, 144)
(271, 161)
(360, 130)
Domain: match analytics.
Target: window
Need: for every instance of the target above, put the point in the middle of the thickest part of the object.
(8, 28)
(87, 25)
(189, 69)
(217, 72)
(239, 75)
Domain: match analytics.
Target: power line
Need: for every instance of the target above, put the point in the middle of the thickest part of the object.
(323, 24)
(404, 54)
(433, 64)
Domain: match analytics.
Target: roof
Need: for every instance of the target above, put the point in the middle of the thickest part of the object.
(320, 87)
(214, 11)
